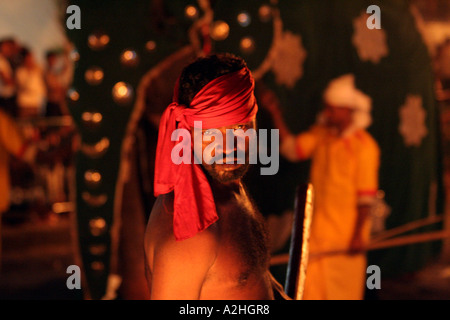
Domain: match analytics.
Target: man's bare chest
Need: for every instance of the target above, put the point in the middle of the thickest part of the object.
(243, 253)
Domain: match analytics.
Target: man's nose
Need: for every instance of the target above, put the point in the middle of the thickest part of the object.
(229, 143)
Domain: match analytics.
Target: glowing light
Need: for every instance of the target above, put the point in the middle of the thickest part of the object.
(122, 93)
(97, 117)
(92, 178)
(265, 13)
(128, 55)
(91, 118)
(244, 19)
(97, 226)
(150, 45)
(94, 76)
(220, 31)
(129, 58)
(86, 116)
(73, 95)
(247, 45)
(74, 55)
(102, 145)
(98, 40)
(191, 12)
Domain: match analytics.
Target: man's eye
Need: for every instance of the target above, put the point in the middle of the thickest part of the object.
(207, 132)
(241, 126)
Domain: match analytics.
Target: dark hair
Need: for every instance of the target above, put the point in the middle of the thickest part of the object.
(202, 71)
(9, 40)
(24, 52)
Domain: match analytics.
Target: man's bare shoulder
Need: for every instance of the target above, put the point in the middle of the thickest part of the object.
(160, 238)
(177, 269)
(161, 216)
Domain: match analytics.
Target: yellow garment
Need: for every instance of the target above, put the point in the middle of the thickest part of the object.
(11, 142)
(344, 172)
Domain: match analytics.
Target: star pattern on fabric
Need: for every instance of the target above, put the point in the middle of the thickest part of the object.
(369, 43)
(290, 56)
(412, 121)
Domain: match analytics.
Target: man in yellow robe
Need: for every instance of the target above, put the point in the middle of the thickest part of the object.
(344, 173)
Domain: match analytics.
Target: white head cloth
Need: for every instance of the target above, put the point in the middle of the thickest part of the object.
(341, 92)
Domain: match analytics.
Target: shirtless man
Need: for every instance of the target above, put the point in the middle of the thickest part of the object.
(210, 243)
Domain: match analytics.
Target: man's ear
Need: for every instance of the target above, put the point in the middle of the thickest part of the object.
(255, 124)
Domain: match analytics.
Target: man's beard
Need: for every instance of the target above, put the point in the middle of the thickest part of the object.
(225, 176)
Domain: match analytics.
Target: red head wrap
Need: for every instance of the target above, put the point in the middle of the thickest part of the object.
(224, 101)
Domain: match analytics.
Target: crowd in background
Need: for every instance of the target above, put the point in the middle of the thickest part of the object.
(28, 90)
(31, 94)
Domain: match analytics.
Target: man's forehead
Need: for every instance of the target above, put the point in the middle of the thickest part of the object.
(233, 126)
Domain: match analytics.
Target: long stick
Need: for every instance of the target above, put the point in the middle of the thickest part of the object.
(407, 227)
(411, 239)
(397, 242)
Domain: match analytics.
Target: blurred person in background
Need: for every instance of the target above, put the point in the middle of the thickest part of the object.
(58, 77)
(344, 173)
(7, 81)
(31, 92)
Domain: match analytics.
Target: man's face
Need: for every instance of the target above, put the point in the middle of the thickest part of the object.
(225, 173)
(340, 117)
